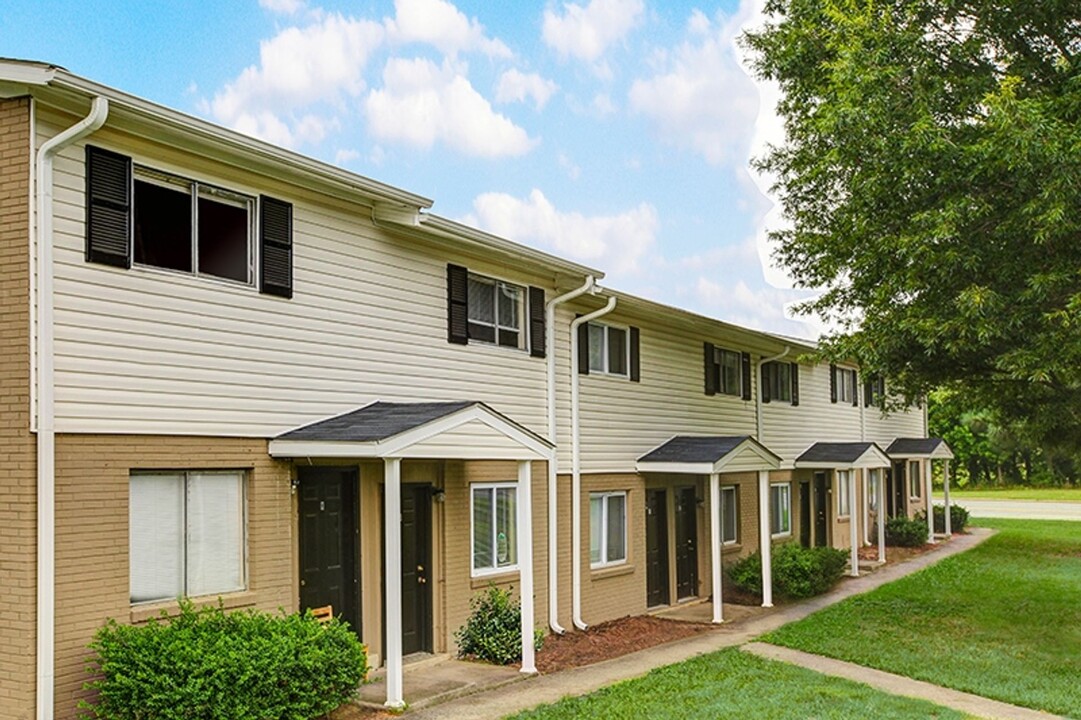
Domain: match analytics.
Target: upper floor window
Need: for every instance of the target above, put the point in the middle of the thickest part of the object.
(496, 311)
(608, 349)
(727, 372)
(780, 381)
(843, 385)
(874, 390)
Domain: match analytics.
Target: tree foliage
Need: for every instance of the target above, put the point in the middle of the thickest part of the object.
(931, 177)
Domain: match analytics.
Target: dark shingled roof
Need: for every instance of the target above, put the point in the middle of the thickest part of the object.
(913, 446)
(826, 452)
(688, 449)
(375, 422)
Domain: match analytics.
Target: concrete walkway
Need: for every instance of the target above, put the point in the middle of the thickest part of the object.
(899, 685)
(543, 689)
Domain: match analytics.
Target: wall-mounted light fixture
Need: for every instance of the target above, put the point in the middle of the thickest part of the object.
(439, 495)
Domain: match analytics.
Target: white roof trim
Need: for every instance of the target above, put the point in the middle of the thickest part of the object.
(872, 457)
(942, 452)
(768, 461)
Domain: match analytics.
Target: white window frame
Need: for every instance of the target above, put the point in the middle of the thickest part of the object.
(718, 361)
(495, 568)
(604, 497)
(787, 491)
(725, 491)
(523, 325)
(844, 502)
(605, 355)
(915, 480)
(194, 188)
(846, 385)
(183, 475)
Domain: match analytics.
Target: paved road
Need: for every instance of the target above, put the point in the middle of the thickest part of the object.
(1024, 509)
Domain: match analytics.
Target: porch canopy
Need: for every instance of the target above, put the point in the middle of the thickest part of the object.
(851, 456)
(427, 430)
(928, 449)
(712, 455)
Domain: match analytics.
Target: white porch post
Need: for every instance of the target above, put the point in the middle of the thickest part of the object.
(392, 549)
(946, 495)
(715, 544)
(930, 501)
(525, 561)
(853, 531)
(765, 539)
(880, 515)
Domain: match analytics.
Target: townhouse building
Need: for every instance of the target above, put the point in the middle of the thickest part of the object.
(224, 365)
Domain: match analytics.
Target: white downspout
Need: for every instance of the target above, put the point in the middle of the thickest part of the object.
(46, 433)
(576, 475)
(553, 468)
(758, 395)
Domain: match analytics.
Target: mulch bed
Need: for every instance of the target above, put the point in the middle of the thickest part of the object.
(612, 639)
(895, 554)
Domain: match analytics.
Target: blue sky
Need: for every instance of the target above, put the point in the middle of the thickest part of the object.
(613, 132)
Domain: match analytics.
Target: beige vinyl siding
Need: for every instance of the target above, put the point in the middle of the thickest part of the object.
(150, 351)
(884, 429)
(622, 420)
(789, 430)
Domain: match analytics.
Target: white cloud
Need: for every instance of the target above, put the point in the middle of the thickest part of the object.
(283, 7)
(344, 156)
(702, 99)
(763, 308)
(603, 105)
(421, 104)
(616, 243)
(587, 32)
(572, 169)
(442, 25)
(516, 86)
(298, 68)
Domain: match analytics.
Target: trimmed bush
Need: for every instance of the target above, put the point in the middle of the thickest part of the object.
(493, 632)
(958, 518)
(903, 532)
(215, 665)
(798, 572)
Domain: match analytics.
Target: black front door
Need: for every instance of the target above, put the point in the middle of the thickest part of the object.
(416, 568)
(897, 491)
(821, 509)
(686, 543)
(328, 541)
(656, 548)
(805, 513)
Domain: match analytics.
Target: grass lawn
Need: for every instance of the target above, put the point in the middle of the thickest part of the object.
(1002, 620)
(1015, 493)
(732, 684)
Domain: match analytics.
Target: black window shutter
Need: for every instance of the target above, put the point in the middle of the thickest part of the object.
(276, 247)
(108, 207)
(709, 369)
(583, 348)
(795, 383)
(636, 358)
(833, 383)
(855, 387)
(746, 359)
(766, 367)
(537, 323)
(457, 305)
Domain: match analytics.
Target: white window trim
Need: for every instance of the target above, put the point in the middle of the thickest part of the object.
(846, 385)
(776, 369)
(242, 479)
(604, 561)
(523, 314)
(626, 350)
(842, 493)
(735, 502)
(918, 477)
(167, 179)
(783, 533)
(718, 354)
(482, 572)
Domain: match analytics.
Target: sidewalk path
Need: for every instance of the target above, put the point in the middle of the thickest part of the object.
(545, 689)
(899, 684)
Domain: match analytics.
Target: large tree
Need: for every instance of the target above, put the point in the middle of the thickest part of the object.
(931, 179)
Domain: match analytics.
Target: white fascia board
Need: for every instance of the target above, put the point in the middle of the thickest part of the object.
(942, 452)
(322, 449)
(674, 467)
(809, 465)
(26, 73)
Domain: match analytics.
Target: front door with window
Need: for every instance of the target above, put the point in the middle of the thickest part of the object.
(821, 509)
(686, 543)
(656, 547)
(416, 568)
(328, 541)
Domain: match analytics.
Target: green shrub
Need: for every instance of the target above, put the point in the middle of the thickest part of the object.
(958, 518)
(903, 532)
(493, 632)
(798, 572)
(224, 666)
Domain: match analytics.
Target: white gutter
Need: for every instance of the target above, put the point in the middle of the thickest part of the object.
(576, 474)
(553, 468)
(46, 434)
(758, 395)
